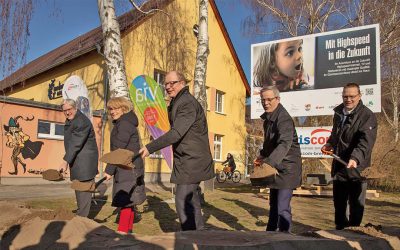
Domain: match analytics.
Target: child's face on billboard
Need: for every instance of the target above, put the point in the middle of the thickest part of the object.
(289, 58)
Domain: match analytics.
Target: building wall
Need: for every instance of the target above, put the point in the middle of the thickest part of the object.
(164, 43)
(44, 153)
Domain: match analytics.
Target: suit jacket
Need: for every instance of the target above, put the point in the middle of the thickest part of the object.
(81, 148)
(353, 137)
(281, 149)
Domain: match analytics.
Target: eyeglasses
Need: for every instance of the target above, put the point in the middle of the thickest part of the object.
(170, 83)
(268, 99)
(67, 110)
(351, 97)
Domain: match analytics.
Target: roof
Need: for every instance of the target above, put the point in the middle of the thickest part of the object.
(35, 104)
(93, 39)
(230, 45)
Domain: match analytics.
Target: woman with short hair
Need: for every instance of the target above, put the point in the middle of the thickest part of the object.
(128, 185)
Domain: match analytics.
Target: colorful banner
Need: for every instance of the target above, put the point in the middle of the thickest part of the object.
(311, 140)
(147, 95)
(75, 89)
(310, 71)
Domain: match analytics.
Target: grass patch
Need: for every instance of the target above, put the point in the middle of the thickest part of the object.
(231, 208)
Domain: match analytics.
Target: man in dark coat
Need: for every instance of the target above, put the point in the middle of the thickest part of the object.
(188, 136)
(81, 154)
(352, 139)
(281, 151)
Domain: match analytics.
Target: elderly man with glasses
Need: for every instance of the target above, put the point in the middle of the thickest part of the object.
(81, 153)
(188, 136)
(352, 139)
(281, 153)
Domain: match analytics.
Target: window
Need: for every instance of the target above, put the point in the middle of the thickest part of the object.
(159, 77)
(157, 154)
(50, 130)
(219, 102)
(218, 147)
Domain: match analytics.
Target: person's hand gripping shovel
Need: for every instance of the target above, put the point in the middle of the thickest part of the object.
(328, 150)
(351, 166)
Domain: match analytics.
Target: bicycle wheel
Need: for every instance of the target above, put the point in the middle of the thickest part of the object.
(221, 177)
(236, 176)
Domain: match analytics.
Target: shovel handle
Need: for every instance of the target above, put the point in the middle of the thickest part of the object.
(99, 182)
(336, 157)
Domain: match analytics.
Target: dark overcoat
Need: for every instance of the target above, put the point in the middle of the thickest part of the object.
(353, 137)
(281, 148)
(80, 145)
(188, 136)
(128, 187)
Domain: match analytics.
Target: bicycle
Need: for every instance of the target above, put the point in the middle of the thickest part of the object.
(225, 174)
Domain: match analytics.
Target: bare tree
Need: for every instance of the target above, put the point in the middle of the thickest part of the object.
(113, 55)
(286, 18)
(200, 71)
(387, 14)
(14, 23)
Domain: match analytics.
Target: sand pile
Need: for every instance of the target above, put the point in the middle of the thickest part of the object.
(12, 213)
(26, 228)
(78, 232)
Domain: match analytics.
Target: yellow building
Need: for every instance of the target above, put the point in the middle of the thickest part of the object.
(152, 45)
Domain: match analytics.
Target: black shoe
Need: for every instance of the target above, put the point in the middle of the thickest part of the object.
(13, 173)
(24, 167)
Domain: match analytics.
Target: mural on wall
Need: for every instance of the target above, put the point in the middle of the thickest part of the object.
(20, 143)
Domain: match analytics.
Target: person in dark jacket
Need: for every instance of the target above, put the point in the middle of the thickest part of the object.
(188, 136)
(281, 151)
(128, 186)
(352, 139)
(230, 161)
(81, 153)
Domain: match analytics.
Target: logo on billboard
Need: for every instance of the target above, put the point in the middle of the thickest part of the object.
(317, 136)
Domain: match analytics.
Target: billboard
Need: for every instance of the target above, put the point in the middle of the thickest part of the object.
(311, 140)
(310, 71)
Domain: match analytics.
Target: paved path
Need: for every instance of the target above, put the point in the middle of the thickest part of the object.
(56, 190)
(18, 192)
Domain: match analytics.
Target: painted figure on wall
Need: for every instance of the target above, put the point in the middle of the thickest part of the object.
(20, 143)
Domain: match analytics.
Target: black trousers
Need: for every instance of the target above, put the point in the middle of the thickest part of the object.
(280, 212)
(188, 207)
(352, 193)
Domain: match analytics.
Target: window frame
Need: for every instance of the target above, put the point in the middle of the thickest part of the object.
(51, 135)
(160, 80)
(218, 143)
(219, 108)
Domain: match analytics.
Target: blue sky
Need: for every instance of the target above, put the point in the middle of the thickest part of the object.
(56, 23)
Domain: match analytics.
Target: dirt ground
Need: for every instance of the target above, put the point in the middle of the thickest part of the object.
(229, 207)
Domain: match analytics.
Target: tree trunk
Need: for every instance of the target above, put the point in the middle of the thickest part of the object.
(201, 55)
(113, 55)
